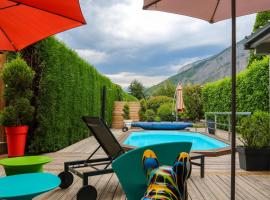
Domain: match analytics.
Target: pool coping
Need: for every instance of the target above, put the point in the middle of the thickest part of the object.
(209, 153)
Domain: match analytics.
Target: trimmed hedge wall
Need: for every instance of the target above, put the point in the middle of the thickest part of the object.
(252, 90)
(66, 87)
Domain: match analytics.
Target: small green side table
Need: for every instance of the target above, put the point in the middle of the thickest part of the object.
(25, 164)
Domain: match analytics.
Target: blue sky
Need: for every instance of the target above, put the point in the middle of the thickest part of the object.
(125, 42)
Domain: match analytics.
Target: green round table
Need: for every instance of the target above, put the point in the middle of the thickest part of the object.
(25, 164)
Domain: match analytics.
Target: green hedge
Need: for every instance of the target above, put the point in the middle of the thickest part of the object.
(66, 87)
(252, 90)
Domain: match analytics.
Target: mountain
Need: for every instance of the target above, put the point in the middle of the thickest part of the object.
(207, 70)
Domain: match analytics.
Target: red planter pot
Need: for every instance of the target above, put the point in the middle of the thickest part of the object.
(16, 139)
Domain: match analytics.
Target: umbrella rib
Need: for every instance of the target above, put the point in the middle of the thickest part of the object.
(150, 4)
(10, 6)
(212, 18)
(8, 38)
(51, 12)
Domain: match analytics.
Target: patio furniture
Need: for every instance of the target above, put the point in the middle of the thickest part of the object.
(27, 186)
(26, 164)
(127, 171)
(195, 156)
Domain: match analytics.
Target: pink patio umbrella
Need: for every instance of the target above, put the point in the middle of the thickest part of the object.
(214, 11)
(179, 98)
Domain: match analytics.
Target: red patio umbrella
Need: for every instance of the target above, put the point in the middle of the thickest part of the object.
(214, 11)
(24, 22)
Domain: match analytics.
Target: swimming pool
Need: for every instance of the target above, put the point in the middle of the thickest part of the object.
(200, 142)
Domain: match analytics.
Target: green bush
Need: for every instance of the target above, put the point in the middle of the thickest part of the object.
(150, 115)
(183, 116)
(143, 109)
(155, 102)
(17, 77)
(165, 112)
(126, 112)
(252, 90)
(157, 119)
(254, 130)
(192, 95)
(65, 88)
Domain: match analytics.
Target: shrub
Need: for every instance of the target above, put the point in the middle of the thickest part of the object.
(150, 115)
(155, 102)
(65, 88)
(143, 109)
(126, 112)
(254, 130)
(252, 90)
(183, 116)
(165, 112)
(192, 95)
(157, 119)
(17, 77)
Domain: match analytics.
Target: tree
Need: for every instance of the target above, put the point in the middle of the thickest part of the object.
(166, 89)
(136, 89)
(192, 95)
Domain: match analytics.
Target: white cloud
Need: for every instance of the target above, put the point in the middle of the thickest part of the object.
(92, 56)
(125, 78)
(123, 24)
(119, 30)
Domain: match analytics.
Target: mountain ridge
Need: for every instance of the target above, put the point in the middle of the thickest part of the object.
(210, 69)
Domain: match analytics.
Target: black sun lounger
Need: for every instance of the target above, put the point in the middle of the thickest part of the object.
(111, 147)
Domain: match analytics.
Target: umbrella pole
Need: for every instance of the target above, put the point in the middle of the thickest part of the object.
(233, 100)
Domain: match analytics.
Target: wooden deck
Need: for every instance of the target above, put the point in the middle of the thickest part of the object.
(215, 186)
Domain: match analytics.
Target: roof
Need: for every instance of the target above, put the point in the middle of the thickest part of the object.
(258, 38)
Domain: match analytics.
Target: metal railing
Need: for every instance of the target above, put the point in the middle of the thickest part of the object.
(216, 123)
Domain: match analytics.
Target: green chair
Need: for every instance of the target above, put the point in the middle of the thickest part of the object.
(25, 164)
(129, 170)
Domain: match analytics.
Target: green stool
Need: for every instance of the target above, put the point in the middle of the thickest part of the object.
(25, 164)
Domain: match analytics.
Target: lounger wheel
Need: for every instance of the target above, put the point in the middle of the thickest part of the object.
(125, 129)
(87, 192)
(66, 179)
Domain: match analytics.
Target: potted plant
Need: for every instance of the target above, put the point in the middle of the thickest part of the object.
(127, 121)
(254, 133)
(17, 77)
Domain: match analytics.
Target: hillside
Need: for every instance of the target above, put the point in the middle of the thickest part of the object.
(207, 70)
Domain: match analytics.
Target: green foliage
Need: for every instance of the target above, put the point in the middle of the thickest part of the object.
(155, 102)
(261, 20)
(143, 109)
(126, 111)
(192, 95)
(166, 89)
(150, 115)
(254, 130)
(66, 88)
(127, 97)
(157, 119)
(165, 112)
(252, 90)
(17, 77)
(183, 116)
(136, 89)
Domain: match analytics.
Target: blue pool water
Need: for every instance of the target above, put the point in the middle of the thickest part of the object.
(199, 141)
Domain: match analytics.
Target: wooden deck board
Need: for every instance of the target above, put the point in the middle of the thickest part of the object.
(215, 185)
